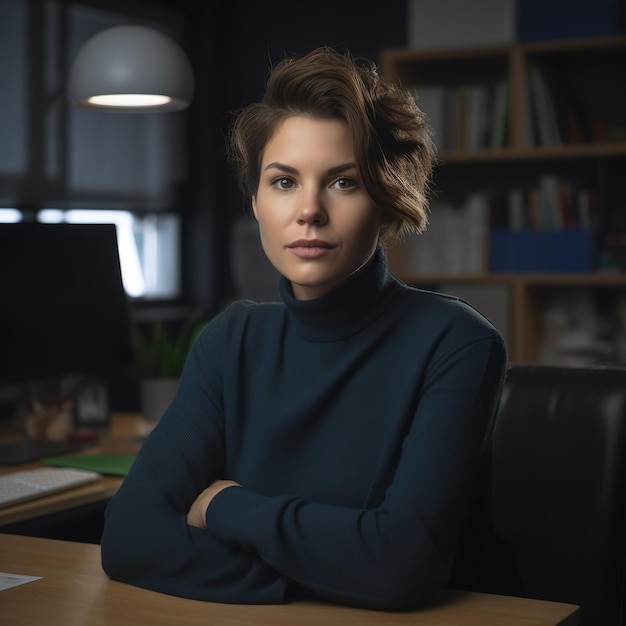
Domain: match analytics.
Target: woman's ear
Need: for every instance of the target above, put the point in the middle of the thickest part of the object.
(254, 208)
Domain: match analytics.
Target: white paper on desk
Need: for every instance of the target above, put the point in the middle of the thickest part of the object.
(13, 580)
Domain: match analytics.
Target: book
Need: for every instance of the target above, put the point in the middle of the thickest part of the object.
(476, 225)
(112, 464)
(479, 104)
(543, 107)
(455, 241)
(516, 210)
(551, 212)
(426, 251)
(433, 24)
(499, 115)
(540, 20)
(431, 101)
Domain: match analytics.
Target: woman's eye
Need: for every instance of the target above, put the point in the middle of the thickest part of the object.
(345, 183)
(282, 183)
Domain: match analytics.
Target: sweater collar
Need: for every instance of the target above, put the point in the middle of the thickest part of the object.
(346, 310)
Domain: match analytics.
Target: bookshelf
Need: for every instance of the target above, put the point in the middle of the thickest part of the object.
(550, 115)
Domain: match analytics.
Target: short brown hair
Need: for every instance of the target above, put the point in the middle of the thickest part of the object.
(393, 144)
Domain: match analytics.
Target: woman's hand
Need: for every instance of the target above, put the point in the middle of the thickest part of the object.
(197, 512)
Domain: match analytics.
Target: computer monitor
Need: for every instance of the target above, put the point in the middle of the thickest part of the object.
(63, 308)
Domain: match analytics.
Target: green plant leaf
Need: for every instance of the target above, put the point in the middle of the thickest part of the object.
(161, 356)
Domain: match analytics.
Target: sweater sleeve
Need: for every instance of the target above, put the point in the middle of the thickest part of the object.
(397, 554)
(146, 539)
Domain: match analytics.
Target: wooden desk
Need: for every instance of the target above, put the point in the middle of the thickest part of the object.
(123, 429)
(75, 591)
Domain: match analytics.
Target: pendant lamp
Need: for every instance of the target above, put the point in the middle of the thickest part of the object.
(131, 69)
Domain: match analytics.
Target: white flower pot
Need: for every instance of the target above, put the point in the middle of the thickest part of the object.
(156, 395)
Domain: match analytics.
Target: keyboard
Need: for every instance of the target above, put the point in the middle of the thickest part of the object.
(35, 483)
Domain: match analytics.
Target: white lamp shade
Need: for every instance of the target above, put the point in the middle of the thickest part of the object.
(128, 62)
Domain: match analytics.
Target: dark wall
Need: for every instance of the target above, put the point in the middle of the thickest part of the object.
(260, 33)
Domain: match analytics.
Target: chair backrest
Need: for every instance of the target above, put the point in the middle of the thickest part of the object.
(558, 488)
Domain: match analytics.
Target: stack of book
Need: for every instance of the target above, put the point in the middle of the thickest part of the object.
(466, 117)
(455, 241)
(550, 228)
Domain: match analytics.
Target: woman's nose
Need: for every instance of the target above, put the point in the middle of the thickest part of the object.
(311, 207)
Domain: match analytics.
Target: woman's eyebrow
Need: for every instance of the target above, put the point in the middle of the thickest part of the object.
(280, 166)
(342, 168)
(337, 169)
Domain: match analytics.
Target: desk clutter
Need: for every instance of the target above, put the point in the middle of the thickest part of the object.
(35, 483)
(73, 514)
(26, 449)
(110, 464)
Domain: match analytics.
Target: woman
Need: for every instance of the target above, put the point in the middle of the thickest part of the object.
(332, 444)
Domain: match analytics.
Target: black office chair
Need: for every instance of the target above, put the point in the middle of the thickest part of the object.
(551, 523)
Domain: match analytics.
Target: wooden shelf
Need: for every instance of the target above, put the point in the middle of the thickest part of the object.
(393, 58)
(568, 46)
(608, 279)
(596, 162)
(578, 151)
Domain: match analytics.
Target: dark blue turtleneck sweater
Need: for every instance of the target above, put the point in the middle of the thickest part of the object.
(356, 424)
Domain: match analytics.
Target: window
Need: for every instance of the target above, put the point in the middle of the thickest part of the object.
(13, 81)
(10, 216)
(69, 165)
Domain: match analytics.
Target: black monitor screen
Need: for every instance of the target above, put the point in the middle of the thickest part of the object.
(63, 308)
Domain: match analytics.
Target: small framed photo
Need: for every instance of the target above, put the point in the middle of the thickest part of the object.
(91, 406)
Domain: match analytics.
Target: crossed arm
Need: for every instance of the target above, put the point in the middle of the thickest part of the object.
(197, 513)
(167, 531)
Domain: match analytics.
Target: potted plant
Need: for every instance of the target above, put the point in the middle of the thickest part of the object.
(161, 356)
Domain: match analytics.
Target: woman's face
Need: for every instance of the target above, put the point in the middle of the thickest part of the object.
(317, 224)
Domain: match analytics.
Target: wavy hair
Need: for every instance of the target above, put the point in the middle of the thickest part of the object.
(392, 139)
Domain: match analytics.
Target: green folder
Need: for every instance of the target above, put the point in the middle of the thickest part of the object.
(112, 464)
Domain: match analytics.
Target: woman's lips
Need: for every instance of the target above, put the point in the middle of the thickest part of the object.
(310, 249)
